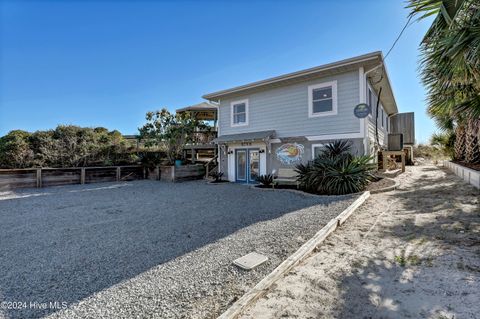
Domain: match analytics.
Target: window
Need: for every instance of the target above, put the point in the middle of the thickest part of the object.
(317, 149)
(322, 99)
(239, 113)
(386, 121)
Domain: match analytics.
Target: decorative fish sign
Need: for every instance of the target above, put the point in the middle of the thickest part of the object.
(290, 153)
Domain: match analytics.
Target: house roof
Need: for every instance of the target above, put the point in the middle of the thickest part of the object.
(202, 111)
(368, 61)
(253, 136)
(203, 106)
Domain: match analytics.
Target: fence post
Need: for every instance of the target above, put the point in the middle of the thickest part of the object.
(118, 173)
(82, 175)
(39, 177)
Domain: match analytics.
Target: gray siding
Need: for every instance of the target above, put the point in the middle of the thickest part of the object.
(285, 110)
(274, 164)
(382, 131)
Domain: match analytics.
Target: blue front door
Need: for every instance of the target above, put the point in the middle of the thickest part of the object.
(247, 165)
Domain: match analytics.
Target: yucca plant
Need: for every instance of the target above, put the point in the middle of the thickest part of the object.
(265, 180)
(335, 171)
(348, 176)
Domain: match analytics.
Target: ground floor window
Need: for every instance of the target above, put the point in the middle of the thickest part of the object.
(317, 149)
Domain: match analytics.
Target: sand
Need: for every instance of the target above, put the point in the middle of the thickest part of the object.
(409, 253)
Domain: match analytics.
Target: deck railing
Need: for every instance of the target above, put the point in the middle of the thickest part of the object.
(203, 137)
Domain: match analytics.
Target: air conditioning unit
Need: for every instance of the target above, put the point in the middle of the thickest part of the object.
(395, 142)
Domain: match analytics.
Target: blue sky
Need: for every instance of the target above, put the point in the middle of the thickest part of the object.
(106, 63)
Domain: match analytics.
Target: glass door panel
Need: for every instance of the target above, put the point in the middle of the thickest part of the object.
(241, 163)
(254, 165)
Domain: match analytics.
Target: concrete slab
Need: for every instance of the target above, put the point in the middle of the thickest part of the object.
(250, 261)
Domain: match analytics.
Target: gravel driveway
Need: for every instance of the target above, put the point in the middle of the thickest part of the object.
(145, 249)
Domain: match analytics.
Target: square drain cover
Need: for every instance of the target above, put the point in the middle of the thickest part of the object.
(250, 261)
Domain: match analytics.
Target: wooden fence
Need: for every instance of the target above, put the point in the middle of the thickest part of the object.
(41, 177)
(182, 173)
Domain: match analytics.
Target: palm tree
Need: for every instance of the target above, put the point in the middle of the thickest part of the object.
(445, 142)
(450, 67)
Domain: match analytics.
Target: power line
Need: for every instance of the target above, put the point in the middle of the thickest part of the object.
(398, 38)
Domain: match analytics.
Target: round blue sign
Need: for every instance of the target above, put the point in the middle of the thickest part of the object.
(361, 110)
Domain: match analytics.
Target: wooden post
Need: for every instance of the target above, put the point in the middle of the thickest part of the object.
(39, 177)
(82, 175)
(118, 173)
(403, 162)
(194, 155)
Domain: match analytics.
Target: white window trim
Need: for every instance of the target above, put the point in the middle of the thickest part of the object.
(313, 148)
(370, 90)
(232, 124)
(382, 112)
(334, 110)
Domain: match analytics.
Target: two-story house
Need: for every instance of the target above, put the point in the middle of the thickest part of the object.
(284, 120)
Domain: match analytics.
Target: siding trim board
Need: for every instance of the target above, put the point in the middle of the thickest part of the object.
(335, 136)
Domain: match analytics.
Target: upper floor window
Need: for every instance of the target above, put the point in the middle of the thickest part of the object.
(383, 118)
(322, 99)
(239, 113)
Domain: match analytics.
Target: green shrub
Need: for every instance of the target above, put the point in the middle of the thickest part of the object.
(217, 176)
(265, 180)
(15, 150)
(65, 146)
(335, 171)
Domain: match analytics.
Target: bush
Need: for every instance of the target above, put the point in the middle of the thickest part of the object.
(265, 180)
(217, 176)
(336, 171)
(65, 146)
(15, 150)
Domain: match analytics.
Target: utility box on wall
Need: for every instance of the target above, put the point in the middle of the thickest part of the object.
(395, 142)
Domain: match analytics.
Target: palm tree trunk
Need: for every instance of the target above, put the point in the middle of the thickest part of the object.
(459, 142)
(472, 150)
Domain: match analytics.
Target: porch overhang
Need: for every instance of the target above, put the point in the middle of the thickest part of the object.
(261, 136)
(205, 111)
